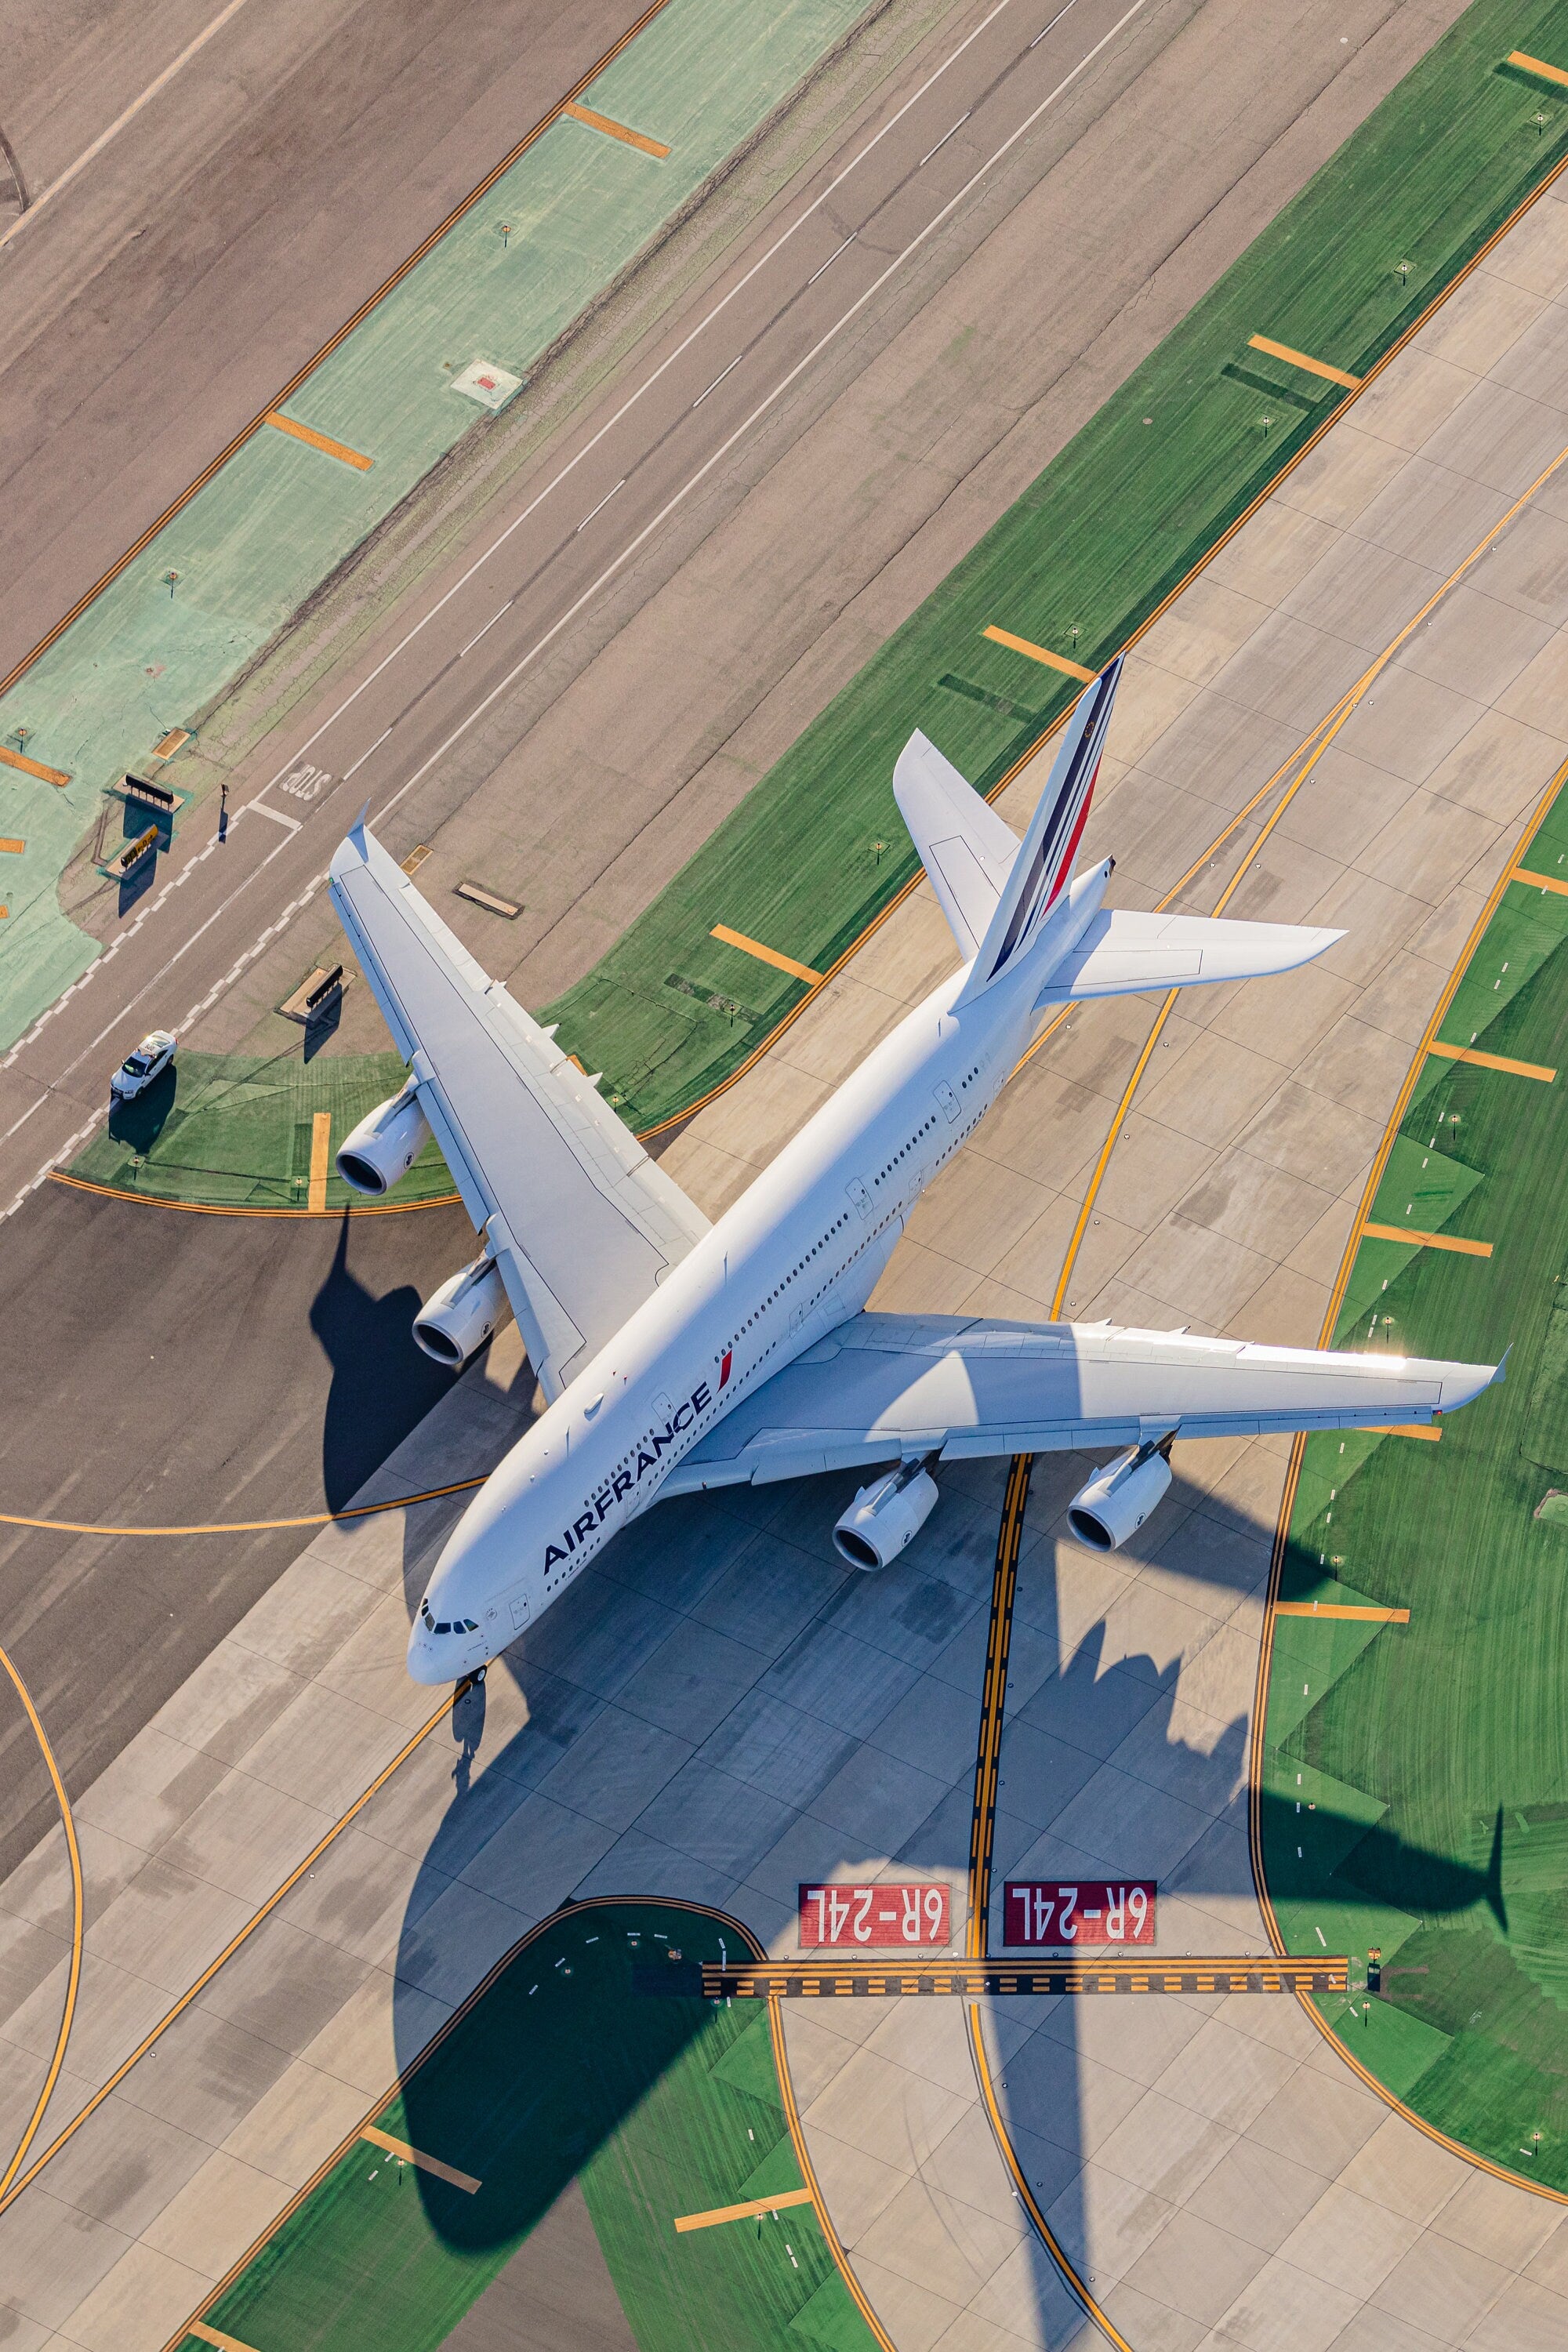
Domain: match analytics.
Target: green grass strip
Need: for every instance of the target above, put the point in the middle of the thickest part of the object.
(1114, 523)
(1430, 1761)
(562, 2073)
(235, 1130)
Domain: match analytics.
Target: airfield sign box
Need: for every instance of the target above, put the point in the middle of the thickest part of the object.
(857, 1918)
(1059, 1913)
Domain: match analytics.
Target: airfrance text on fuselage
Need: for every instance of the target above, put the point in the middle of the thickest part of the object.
(600, 1505)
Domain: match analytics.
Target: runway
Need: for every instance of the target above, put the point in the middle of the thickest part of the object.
(153, 1365)
(738, 378)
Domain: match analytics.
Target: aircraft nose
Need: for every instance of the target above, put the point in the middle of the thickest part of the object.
(424, 1665)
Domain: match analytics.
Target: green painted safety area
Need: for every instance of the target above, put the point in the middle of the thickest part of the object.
(1115, 522)
(556, 2131)
(219, 582)
(238, 1132)
(1414, 1785)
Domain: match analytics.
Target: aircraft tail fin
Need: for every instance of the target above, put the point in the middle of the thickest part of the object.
(966, 848)
(1043, 866)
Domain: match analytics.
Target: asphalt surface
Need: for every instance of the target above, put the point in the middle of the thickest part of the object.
(163, 1369)
(753, 353)
(159, 301)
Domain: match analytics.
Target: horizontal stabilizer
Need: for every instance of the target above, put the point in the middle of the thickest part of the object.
(1120, 953)
(886, 1386)
(965, 848)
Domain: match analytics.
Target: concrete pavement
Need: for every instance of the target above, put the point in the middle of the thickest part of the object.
(721, 1708)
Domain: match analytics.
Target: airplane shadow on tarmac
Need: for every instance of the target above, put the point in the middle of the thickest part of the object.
(382, 1383)
(731, 1615)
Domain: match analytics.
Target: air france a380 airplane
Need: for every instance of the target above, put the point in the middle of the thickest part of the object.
(676, 1355)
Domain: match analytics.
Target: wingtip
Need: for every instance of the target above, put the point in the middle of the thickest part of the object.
(1500, 1369)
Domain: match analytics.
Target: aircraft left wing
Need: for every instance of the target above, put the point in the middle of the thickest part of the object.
(883, 1387)
(1120, 953)
(582, 1223)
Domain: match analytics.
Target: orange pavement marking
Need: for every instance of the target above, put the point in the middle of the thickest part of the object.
(1537, 66)
(614, 130)
(425, 2163)
(1041, 654)
(1305, 360)
(170, 744)
(1427, 1241)
(1494, 1061)
(199, 2329)
(321, 1140)
(744, 2212)
(1413, 1429)
(1335, 1609)
(16, 848)
(320, 440)
(1538, 881)
(764, 955)
(33, 766)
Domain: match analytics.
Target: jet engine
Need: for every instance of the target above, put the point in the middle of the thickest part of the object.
(1118, 1498)
(385, 1145)
(456, 1320)
(886, 1516)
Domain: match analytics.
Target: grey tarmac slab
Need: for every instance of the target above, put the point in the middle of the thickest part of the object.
(159, 302)
(647, 699)
(1141, 1666)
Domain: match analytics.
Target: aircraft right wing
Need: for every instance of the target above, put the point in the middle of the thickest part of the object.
(883, 1387)
(581, 1222)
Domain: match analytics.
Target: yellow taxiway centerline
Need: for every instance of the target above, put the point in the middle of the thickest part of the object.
(1304, 360)
(763, 955)
(1495, 1062)
(1339, 1609)
(431, 2164)
(323, 441)
(744, 2212)
(1040, 654)
(1427, 1241)
(614, 130)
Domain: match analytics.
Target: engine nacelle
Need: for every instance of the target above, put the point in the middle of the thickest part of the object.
(385, 1145)
(886, 1516)
(456, 1320)
(1115, 1504)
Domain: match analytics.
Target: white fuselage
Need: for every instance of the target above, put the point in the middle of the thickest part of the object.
(798, 1253)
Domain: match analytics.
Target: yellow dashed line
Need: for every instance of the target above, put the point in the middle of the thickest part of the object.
(1335, 1609)
(321, 441)
(1496, 1062)
(744, 2212)
(1040, 654)
(613, 129)
(431, 2164)
(1427, 1241)
(763, 955)
(33, 766)
(1304, 360)
(1537, 66)
(321, 1142)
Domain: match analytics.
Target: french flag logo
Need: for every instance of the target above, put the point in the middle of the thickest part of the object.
(724, 1363)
